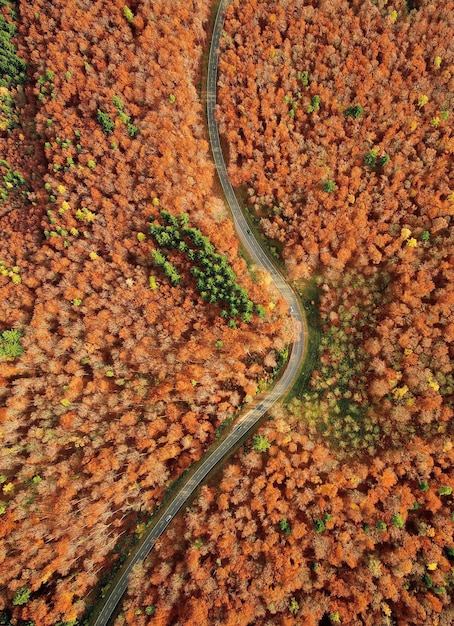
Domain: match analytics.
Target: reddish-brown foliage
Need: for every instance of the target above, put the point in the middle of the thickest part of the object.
(122, 383)
(380, 245)
(230, 552)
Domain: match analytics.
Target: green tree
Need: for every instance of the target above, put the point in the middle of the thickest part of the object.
(12, 68)
(105, 121)
(260, 443)
(129, 15)
(329, 186)
(319, 525)
(118, 103)
(303, 77)
(133, 131)
(425, 235)
(10, 346)
(22, 596)
(285, 527)
(427, 580)
(293, 606)
(314, 105)
(354, 111)
(370, 158)
(171, 273)
(383, 160)
(158, 258)
(398, 521)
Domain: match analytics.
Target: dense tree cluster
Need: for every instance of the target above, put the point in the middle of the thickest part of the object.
(113, 380)
(12, 68)
(116, 367)
(215, 279)
(338, 118)
(293, 532)
(338, 122)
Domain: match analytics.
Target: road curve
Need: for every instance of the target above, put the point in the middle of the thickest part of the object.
(246, 423)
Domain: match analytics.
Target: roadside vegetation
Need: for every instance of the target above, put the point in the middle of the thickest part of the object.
(122, 358)
(116, 372)
(338, 122)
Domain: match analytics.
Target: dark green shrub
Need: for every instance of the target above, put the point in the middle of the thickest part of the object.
(370, 158)
(383, 160)
(12, 69)
(285, 527)
(105, 121)
(329, 186)
(319, 525)
(314, 105)
(354, 111)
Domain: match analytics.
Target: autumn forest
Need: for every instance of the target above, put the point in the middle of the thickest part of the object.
(134, 327)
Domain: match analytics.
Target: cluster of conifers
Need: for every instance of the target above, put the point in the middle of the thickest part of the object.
(215, 279)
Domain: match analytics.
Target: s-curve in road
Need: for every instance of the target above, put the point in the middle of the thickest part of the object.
(247, 422)
(248, 240)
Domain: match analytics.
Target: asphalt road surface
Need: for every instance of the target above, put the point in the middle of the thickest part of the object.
(249, 419)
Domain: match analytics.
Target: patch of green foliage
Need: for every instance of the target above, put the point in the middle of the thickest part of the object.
(260, 443)
(355, 111)
(383, 160)
(319, 525)
(9, 118)
(133, 131)
(107, 124)
(335, 404)
(294, 606)
(293, 104)
(329, 186)
(370, 158)
(11, 179)
(12, 69)
(314, 105)
(10, 346)
(398, 521)
(303, 77)
(22, 596)
(284, 526)
(214, 278)
(425, 235)
(168, 268)
(46, 85)
(129, 15)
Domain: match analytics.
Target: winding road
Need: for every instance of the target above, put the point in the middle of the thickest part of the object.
(245, 425)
